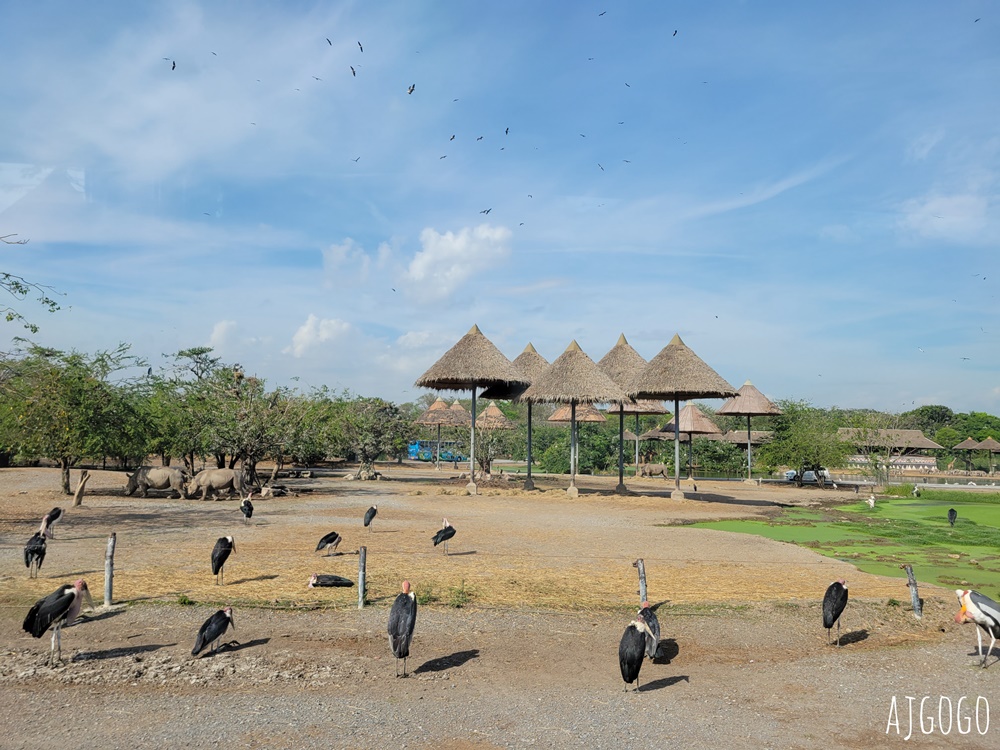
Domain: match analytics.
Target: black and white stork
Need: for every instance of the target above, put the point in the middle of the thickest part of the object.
(952, 516)
(47, 522)
(653, 622)
(212, 630)
(984, 612)
(329, 542)
(834, 601)
(632, 648)
(34, 554)
(370, 516)
(58, 609)
(402, 619)
(446, 532)
(246, 508)
(224, 547)
(319, 580)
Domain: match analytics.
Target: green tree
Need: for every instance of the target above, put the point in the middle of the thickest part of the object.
(805, 437)
(19, 288)
(372, 427)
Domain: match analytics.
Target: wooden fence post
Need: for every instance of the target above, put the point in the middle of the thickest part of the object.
(109, 570)
(911, 581)
(642, 579)
(362, 582)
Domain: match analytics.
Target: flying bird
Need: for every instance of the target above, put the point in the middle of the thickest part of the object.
(356, 160)
(653, 623)
(402, 619)
(486, 210)
(452, 137)
(410, 90)
(329, 541)
(328, 580)
(479, 138)
(602, 13)
(360, 47)
(212, 630)
(149, 372)
(952, 517)
(506, 131)
(446, 532)
(34, 554)
(173, 65)
(328, 41)
(632, 648)
(59, 608)
(246, 508)
(834, 601)
(372, 511)
(48, 520)
(353, 71)
(224, 547)
(317, 78)
(675, 33)
(599, 164)
(984, 612)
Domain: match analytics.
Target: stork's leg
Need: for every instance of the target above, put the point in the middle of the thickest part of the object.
(829, 637)
(979, 636)
(993, 639)
(838, 633)
(446, 546)
(404, 666)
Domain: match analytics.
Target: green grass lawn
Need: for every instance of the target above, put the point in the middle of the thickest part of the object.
(900, 530)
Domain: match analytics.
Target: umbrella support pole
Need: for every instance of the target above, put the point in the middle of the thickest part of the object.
(528, 483)
(572, 491)
(471, 486)
(677, 494)
(621, 489)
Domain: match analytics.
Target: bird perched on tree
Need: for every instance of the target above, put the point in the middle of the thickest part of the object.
(653, 638)
(246, 507)
(952, 516)
(984, 612)
(330, 542)
(402, 619)
(34, 554)
(47, 522)
(59, 608)
(446, 532)
(329, 580)
(212, 630)
(632, 648)
(224, 547)
(370, 516)
(834, 601)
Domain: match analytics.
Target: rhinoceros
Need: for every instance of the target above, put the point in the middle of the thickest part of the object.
(157, 478)
(216, 480)
(652, 470)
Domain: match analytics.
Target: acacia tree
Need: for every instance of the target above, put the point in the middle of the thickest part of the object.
(372, 427)
(19, 288)
(804, 437)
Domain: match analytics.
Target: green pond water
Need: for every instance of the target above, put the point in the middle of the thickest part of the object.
(899, 530)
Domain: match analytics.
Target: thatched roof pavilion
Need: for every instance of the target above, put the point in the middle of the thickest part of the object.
(584, 413)
(991, 445)
(494, 419)
(904, 441)
(460, 414)
(968, 445)
(677, 373)
(749, 402)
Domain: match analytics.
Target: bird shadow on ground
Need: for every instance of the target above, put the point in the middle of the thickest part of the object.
(114, 653)
(99, 616)
(76, 573)
(663, 682)
(666, 651)
(442, 663)
(250, 580)
(461, 554)
(234, 646)
(855, 636)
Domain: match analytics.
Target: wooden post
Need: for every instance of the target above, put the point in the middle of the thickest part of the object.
(78, 495)
(528, 484)
(362, 582)
(911, 581)
(642, 579)
(109, 570)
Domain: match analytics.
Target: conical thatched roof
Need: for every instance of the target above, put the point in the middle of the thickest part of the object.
(622, 363)
(629, 435)
(493, 419)
(969, 444)
(989, 444)
(529, 363)
(584, 413)
(749, 402)
(438, 413)
(461, 414)
(473, 362)
(573, 377)
(642, 406)
(693, 421)
(678, 373)
(657, 434)
(894, 438)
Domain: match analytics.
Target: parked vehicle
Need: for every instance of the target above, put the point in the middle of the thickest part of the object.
(423, 450)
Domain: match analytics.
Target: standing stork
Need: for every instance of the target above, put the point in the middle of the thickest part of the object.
(59, 608)
(330, 542)
(212, 630)
(984, 612)
(446, 532)
(402, 619)
(370, 516)
(653, 637)
(632, 648)
(246, 508)
(952, 516)
(47, 522)
(34, 554)
(834, 601)
(224, 547)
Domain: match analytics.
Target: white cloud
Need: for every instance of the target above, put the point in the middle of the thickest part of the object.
(316, 331)
(346, 258)
(221, 333)
(921, 146)
(962, 217)
(448, 260)
(838, 233)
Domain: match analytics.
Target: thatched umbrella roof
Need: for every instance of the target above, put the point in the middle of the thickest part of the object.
(573, 378)
(679, 374)
(461, 414)
(989, 444)
(969, 444)
(629, 435)
(638, 407)
(897, 439)
(693, 421)
(530, 364)
(471, 363)
(437, 414)
(657, 434)
(584, 413)
(749, 402)
(494, 419)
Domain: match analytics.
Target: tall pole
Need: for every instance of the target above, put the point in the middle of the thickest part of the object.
(621, 449)
(677, 446)
(528, 484)
(637, 443)
(471, 486)
(437, 452)
(749, 451)
(109, 569)
(572, 443)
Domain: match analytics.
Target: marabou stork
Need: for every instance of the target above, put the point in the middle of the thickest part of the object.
(370, 516)
(952, 516)
(212, 630)
(834, 601)
(246, 508)
(653, 638)
(446, 532)
(34, 554)
(402, 618)
(59, 608)
(984, 612)
(329, 580)
(632, 648)
(48, 520)
(224, 547)
(330, 542)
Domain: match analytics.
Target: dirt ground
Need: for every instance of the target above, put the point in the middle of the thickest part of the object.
(546, 585)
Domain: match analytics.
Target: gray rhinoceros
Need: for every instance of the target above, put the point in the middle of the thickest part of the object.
(157, 478)
(216, 480)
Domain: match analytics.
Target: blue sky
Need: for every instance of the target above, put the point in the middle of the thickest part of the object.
(806, 192)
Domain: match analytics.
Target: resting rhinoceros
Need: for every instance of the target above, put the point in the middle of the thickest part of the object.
(157, 478)
(215, 480)
(652, 470)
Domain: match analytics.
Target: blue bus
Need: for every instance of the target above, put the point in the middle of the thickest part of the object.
(423, 450)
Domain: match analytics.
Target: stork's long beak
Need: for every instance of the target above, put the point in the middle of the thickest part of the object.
(232, 622)
(90, 601)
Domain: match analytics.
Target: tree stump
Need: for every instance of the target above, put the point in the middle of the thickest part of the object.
(78, 495)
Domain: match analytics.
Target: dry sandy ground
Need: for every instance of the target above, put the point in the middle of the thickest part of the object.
(530, 661)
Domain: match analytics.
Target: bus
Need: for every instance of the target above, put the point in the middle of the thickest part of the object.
(423, 450)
